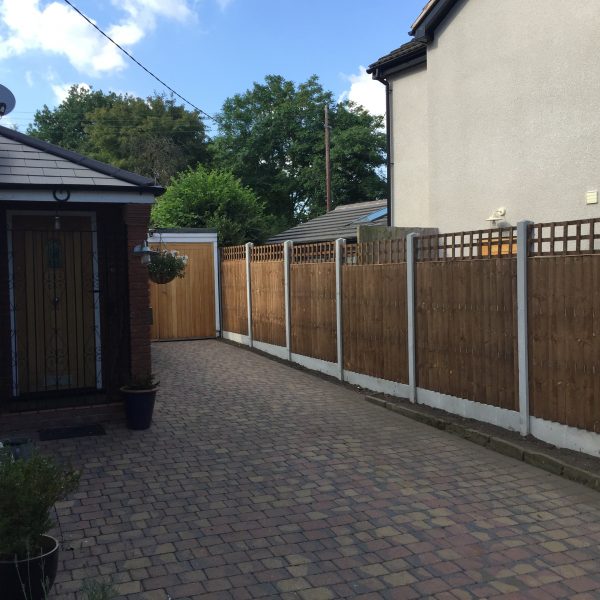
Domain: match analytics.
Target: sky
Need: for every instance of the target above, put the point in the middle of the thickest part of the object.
(207, 50)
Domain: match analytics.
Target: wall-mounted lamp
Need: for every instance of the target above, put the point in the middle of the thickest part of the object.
(497, 216)
(144, 252)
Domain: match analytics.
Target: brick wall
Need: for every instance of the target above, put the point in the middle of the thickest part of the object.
(136, 218)
(5, 351)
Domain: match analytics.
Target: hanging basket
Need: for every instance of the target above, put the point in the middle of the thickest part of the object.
(165, 265)
(160, 277)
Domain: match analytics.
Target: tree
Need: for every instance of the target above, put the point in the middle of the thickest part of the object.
(272, 138)
(216, 199)
(66, 124)
(154, 137)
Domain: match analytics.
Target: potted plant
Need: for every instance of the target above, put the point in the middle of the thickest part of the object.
(29, 488)
(139, 396)
(165, 265)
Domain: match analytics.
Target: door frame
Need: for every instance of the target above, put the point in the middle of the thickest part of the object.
(11, 288)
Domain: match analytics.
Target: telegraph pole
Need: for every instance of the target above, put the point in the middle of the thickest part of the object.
(327, 160)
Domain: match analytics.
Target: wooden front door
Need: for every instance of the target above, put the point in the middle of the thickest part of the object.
(54, 304)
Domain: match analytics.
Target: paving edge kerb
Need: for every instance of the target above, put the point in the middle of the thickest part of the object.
(508, 448)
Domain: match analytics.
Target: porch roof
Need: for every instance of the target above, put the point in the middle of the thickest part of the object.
(27, 162)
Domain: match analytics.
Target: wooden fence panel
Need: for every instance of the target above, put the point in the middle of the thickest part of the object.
(564, 339)
(375, 320)
(466, 329)
(234, 306)
(185, 308)
(268, 302)
(313, 312)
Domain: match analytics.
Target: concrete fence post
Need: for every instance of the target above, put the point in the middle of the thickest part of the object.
(340, 245)
(249, 247)
(287, 255)
(411, 268)
(522, 332)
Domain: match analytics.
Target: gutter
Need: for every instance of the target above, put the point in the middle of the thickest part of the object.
(388, 135)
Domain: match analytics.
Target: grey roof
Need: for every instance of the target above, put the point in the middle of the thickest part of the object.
(339, 223)
(27, 162)
(408, 52)
(434, 12)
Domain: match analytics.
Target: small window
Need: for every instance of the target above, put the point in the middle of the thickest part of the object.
(378, 214)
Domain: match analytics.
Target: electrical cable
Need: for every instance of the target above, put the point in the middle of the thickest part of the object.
(137, 62)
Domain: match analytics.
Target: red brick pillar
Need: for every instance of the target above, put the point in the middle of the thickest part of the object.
(5, 340)
(136, 218)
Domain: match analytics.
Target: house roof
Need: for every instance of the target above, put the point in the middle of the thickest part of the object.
(27, 162)
(414, 52)
(407, 55)
(341, 222)
(431, 16)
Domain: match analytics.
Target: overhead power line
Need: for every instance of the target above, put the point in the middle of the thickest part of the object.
(137, 62)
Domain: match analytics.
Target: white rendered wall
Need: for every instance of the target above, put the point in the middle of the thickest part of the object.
(513, 90)
(410, 148)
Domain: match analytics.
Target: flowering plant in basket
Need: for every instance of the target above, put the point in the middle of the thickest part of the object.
(166, 265)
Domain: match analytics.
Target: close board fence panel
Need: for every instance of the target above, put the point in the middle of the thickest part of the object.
(268, 299)
(503, 319)
(564, 324)
(234, 308)
(466, 323)
(374, 308)
(312, 300)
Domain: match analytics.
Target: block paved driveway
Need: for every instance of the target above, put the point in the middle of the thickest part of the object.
(259, 480)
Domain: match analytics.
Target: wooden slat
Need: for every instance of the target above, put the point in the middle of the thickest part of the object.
(564, 349)
(466, 329)
(268, 303)
(234, 306)
(374, 319)
(313, 312)
(185, 307)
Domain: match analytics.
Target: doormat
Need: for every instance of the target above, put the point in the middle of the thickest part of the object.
(65, 433)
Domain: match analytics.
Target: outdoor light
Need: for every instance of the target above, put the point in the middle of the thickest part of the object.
(497, 215)
(144, 252)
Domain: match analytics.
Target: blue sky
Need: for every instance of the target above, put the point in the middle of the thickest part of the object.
(207, 50)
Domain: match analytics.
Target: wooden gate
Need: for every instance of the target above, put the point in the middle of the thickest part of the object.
(187, 308)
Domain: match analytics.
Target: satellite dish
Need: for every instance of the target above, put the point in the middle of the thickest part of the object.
(7, 101)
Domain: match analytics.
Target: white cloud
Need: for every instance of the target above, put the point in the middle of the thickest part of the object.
(29, 78)
(223, 4)
(61, 90)
(55, 28)
(367, 92)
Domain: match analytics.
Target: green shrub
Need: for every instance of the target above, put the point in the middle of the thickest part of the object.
(28, 491)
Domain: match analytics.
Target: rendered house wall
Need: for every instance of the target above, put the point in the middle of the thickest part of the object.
(513, 118)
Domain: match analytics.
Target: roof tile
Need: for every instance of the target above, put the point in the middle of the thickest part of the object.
(339, 223)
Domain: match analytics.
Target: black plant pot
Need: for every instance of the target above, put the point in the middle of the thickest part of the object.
(30, 578)
(139, 406)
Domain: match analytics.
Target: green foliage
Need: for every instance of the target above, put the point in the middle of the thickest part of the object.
(28, 491)
(142, 382)
(66, 125)
(213, 199)
(153, 136)
(168, 263)
(98, 590)
(272, 138)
